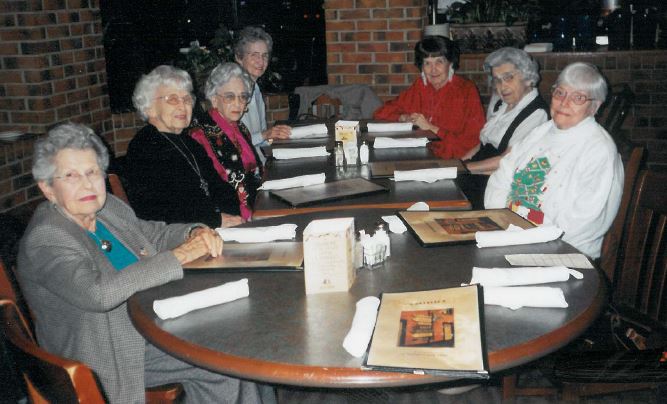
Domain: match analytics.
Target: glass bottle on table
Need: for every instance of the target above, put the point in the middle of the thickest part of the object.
(339, 154)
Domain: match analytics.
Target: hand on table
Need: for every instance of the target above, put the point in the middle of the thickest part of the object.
(277, 132)
(202, 241)
(230, 220)
(421, 121)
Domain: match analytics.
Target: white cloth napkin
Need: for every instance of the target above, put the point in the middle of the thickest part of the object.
(516, 297)
(179, 305)
(389, 143)
(357, 339)
(522, 276)
(300, 152)
(258, 234)
(510, 236)
(316, 130)
(396, 225)
(426, 175)
(389, 127)
(294, 182)
(419, 207)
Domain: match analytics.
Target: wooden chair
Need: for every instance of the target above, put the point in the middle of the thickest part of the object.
(616, 108)
(9, 292)
(117, 188)
(327, 107)
(639, 295)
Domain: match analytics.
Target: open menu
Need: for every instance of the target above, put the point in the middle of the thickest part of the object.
(329, 191)
(253, 256)
(383, 169)
(431, 332)
(435, 228)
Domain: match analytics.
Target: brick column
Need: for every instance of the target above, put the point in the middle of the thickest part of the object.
(52, 65)
(372, 42)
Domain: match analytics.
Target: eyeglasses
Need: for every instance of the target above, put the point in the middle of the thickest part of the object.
(228, 98)
(559, 94)
(504, 78)
(74, 177)
(173, 99)
(258, 55)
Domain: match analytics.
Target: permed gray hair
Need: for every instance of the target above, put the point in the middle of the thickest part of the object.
(523, 62)
(164, 75)
(586, 78)
(65, 136)
(250, 35)
(222, 74)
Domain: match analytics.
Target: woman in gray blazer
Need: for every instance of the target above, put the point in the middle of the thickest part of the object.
(85, 253)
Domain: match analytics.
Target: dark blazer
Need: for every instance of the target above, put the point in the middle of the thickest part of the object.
(161, 185)
(78, 298)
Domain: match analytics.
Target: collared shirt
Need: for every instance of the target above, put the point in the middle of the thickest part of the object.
(255, 119)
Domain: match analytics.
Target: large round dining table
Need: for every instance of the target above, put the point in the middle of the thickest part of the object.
(280, 335)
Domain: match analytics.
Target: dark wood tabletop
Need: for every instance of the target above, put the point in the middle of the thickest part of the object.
(280, 335)
(444, 194)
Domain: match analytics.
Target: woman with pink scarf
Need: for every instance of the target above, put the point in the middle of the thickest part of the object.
(225, 138)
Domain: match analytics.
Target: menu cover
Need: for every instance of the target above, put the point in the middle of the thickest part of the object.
(383, 169)
(436, 228)
(437, 332)
(277, 256)
(329, 191)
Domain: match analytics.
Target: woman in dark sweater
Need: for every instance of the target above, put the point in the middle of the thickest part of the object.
(170, 177)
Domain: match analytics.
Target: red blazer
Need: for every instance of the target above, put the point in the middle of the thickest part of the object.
(455, 109)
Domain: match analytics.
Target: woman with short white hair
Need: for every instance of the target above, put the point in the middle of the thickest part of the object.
(225, 138)
(567, 172)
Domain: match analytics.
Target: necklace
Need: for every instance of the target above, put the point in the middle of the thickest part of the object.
(105, 245)
(195, 167)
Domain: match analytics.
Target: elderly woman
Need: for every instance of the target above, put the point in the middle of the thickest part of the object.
(516, 108)
(225, 139)
(440, 101)
(169, 176)
(85, 253)
(567, 172)
(253, 52)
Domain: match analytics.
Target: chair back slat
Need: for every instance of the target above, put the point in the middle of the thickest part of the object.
(117, 188)
(7, 290)
(616, 109)
(643, 274)
(327, 107)
(613, 239)
(49, 378)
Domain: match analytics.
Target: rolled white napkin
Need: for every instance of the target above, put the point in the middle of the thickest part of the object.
(419, 207)
(357, 339)
(316, 130)
(540, 234)
(300, 152)
(179, 305)
(396, 225)
(258, 234)
(389, 127)
(522, 276)
(516, 297)
(426, 175)
(294, 182)
(389, 143)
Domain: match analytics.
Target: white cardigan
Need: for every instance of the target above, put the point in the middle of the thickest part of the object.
(583, 186)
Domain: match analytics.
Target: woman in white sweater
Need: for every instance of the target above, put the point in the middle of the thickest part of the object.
(567, 172)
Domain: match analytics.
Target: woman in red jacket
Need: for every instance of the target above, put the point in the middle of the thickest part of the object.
(439, 101)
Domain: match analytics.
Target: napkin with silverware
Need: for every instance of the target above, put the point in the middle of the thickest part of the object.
(286, 153)
(516, 297)
(258, 234)
(522, 275)
(426, 175)
(390, 143)
(294, 182)
(357, 339)
(515, 235)
(389, 127)
(179, 305)
(317, 130)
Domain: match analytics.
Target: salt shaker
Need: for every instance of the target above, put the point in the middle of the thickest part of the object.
(381, 232)
(339, 154)
(363, 153)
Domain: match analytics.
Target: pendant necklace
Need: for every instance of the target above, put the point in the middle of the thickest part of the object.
(105, 245)
(195, 167)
